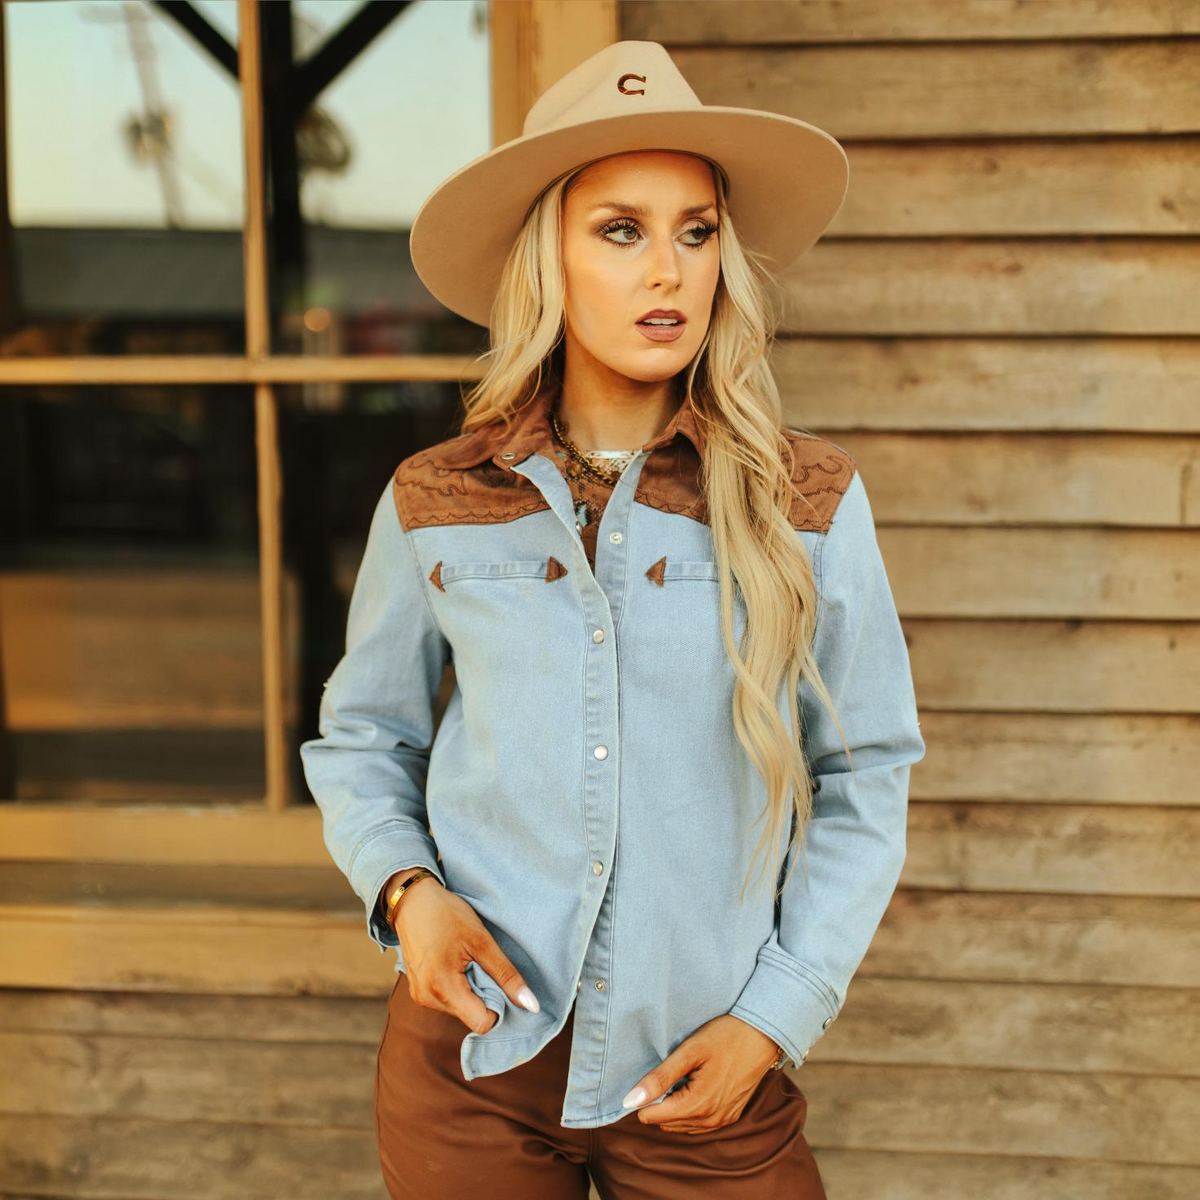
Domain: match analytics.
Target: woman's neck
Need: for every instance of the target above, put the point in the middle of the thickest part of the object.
(617, 418)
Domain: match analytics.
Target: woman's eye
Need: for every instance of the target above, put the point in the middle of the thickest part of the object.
(619, 228)
(702, 232)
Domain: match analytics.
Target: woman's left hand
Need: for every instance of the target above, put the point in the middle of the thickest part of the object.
(726, 1059)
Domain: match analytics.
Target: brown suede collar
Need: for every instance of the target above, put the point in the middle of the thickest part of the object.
(529, 431)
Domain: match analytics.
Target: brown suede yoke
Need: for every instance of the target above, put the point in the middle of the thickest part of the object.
(469, 480)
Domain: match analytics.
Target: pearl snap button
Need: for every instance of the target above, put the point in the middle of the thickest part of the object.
(598, 636)
(825, 1023)
(508, 454)
(601, 752)
(599, 985)
(615, 536)
(597, 868)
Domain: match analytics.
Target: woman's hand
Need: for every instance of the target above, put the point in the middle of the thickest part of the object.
(726, 1059)
(439, 934)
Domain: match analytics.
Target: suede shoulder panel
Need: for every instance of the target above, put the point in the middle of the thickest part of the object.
(431, 488)
(821, 473)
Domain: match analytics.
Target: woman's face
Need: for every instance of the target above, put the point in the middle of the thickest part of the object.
(639, 233)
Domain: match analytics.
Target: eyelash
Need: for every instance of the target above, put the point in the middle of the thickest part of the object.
(625, 223)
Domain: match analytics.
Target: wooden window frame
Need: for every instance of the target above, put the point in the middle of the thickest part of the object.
(533, 42)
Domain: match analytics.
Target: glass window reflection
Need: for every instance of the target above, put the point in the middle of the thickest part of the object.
(125, 181)
(130, 644)
(356, 139)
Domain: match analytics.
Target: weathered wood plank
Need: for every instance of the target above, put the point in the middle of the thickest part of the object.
(1115, 1118)
(1123, 758)
(959, 90)
(324, 1084)
(98, 1159)
(1039, 479)
(1082, 848)
(1029, 1026)
(350, 1020)
(1001, 287)
(1038, 938)
(695, 22)
(993, 188)
(197, 949)
(868, 1174)
(1089, 573)
(208, 835)
(970, 384)
(1057, 666)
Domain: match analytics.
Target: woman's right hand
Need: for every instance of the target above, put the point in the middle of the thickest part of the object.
(440, 933)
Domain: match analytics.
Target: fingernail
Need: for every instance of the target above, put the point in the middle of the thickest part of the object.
(529, 1000)
(637, 1096)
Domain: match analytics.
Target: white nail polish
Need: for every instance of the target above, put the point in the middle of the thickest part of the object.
(529, 1000)
(636, 1097)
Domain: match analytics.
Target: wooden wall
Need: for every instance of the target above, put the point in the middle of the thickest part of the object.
(1002, 327)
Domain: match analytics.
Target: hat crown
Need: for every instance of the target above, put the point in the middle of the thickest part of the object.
(624, 78)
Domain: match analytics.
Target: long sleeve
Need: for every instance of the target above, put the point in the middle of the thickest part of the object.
(368, 768)
(856, 840)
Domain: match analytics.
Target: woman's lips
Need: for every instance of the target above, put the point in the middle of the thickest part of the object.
(661, 333)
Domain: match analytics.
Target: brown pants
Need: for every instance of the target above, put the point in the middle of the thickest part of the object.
(442, 1137)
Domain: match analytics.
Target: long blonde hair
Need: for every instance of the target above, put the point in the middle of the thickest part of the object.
(746, 477)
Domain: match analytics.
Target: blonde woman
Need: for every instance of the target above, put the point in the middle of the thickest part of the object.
(665, 808)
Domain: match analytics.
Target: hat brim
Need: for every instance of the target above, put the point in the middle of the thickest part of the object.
(787, 182)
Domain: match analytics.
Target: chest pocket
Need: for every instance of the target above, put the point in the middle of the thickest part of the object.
(667, 569)
(447, 574)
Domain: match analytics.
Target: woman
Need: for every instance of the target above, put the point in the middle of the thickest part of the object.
(669, 620)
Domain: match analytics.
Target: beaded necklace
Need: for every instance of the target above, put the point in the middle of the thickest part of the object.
(603, 466)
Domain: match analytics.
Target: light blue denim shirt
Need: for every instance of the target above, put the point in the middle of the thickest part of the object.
(586, 792)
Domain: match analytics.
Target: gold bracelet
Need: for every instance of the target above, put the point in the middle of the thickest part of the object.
(393, 901)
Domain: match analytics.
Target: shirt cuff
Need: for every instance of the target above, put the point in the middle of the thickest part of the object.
(786, 1001)
(376, 861)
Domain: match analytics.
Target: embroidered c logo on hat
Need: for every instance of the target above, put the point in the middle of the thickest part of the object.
(631, 91)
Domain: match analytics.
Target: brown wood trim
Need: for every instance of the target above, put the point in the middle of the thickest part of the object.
(225, 835)
(270, 576)
(535, 43)
(254, 239)
(248, 949)
(266, 416)
(235, 369)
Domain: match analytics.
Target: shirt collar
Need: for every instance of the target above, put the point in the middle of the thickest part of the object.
(529, 431)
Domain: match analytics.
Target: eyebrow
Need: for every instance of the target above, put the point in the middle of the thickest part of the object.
(634, 210)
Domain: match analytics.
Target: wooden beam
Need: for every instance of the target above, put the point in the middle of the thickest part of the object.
(535, 43)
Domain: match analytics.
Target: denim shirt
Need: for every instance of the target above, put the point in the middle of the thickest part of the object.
(586, 792)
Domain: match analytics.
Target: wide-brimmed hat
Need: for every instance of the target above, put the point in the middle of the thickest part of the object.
(786, 179)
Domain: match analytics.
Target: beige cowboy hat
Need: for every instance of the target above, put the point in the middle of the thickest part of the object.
(786, 179)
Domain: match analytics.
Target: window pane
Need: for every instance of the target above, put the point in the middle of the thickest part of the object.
(130, 639)
(125, 181)
(349, 172)
(340, 445)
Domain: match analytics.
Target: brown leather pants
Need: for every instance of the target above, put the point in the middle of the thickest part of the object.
(442, 1137)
